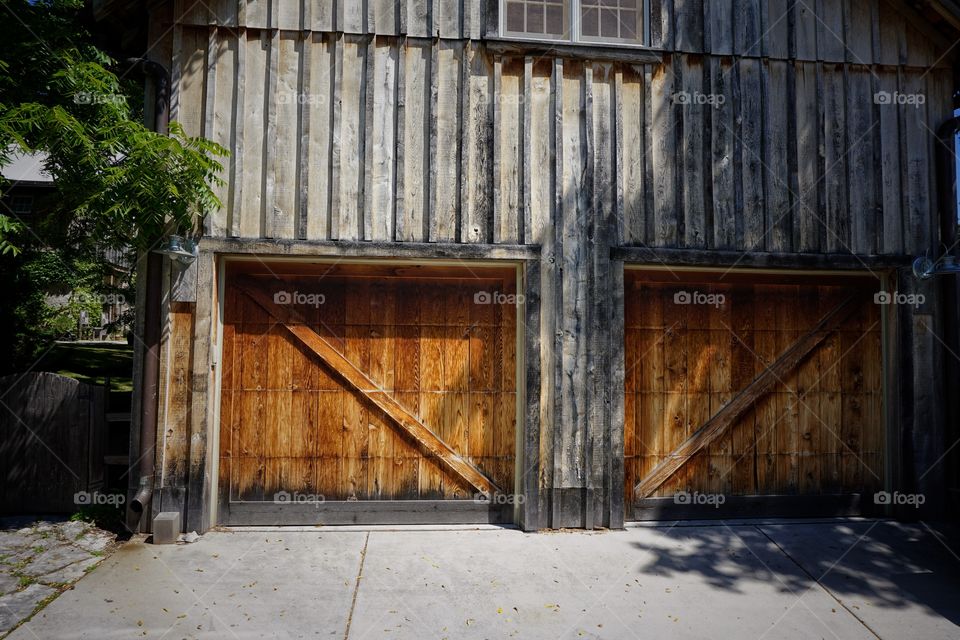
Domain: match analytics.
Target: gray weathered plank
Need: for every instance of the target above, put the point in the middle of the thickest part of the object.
(776, 159)
(748, 33)
(663, 143)
(752, 150)
(806, 223)
(864, 209)
(726, 219)
(835, 150)
(695, 104)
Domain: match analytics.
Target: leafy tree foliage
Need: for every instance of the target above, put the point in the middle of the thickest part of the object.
(119, 185)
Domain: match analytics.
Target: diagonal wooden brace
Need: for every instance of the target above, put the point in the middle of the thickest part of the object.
(361, 384)
(733, 410)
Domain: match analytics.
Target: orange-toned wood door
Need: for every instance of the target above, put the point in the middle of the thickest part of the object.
(439, 342)
(694, 344)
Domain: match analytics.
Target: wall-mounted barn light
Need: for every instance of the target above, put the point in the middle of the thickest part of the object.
(924, 268)
(179, 249)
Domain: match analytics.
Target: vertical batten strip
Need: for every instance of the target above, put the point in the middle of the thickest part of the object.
(632, 151)
(496, 205)
(806, 223)
(649, 232)
(776, 165)
(287, 135)
(400, 208)
(305, 115)
(466, 140)
(238, 113)
(725, 212)
(917, 146)
(176, 73)
(336, 142)
(526, 219)
(370, 95)
(694, 112)
(664, 155)
(595, 222)
(253, 127)
(320, 61)
(618, 231)
(380, 210)
(540, 165)
(215, 223)
(752, 171)
(350, 138)
(269, 224)
(836, 147)
(433, 224)
(556, 328)
(862, 209)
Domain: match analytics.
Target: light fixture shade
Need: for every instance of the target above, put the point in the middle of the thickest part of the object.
(925, 268)
(179, 249)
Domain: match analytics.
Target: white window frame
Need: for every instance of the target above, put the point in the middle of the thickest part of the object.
(573, 8)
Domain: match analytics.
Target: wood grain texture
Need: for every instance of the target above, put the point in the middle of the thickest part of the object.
(351, 136)
(341, 392)
(729, 397)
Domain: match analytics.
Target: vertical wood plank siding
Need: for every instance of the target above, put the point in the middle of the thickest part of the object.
(748, 125)
(418, 133)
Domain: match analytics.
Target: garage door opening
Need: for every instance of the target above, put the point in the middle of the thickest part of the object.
(367, 393)
(754, 394)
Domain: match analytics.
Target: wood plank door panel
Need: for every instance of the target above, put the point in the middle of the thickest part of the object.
(744, 388)
(350, 384)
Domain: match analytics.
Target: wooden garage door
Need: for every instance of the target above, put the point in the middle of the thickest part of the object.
(763, 387)
(365, 383)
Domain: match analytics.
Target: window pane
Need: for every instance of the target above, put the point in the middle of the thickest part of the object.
(609, 27)
(628, 24)
(534, 18)
(630, 4)
(555, 20)
(590, 23)
(515, 16)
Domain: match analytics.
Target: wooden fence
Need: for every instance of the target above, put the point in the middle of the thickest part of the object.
(52, 438)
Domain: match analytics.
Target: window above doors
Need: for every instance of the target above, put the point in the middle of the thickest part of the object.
(576, 21)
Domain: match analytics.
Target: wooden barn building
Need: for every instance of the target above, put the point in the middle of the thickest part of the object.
(553, 263)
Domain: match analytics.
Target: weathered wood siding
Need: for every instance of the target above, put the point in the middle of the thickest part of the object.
(759, 130)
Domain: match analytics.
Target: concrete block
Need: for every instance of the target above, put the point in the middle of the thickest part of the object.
(166, 527)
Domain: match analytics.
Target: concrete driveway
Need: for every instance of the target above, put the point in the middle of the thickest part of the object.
(772, 579)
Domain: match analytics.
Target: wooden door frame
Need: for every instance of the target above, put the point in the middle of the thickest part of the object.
(521, 512)
(760, 506)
